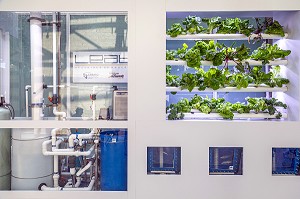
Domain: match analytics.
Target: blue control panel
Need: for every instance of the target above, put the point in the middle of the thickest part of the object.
(163, 160)
(225, 160)
(285, 161)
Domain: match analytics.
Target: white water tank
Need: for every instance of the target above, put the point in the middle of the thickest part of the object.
(5, 144)
(30, 167)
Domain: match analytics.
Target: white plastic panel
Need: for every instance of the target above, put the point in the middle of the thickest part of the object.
(195, 138)
(231, 5)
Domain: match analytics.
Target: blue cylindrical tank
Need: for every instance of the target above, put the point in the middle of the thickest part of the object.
(113, 160)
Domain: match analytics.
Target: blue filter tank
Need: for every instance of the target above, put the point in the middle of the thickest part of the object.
(113, 160)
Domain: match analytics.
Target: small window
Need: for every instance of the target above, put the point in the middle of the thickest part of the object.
(225, 160)
(163, 160)
(285, 161)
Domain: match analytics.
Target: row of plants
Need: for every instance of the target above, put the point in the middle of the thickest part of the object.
(225, 109)
(192, 25)
(215, 78)
(218, 53)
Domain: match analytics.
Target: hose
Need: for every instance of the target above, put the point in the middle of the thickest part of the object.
(11, 110)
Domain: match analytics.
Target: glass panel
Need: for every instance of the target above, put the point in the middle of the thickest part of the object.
(163, 160)
(225, 160)
(285, 161)
(63, 66)
(90, 64)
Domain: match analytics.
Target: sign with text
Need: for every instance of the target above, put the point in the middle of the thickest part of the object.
(100, 67)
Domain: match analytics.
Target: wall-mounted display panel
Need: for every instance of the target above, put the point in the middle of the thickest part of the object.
(164, 160)
(285, 161)
(225, 161)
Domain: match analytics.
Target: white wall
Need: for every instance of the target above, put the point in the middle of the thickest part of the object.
(194, 138)
(147, 125)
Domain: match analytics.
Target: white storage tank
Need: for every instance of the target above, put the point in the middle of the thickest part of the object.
(30, 167)
(5, 144)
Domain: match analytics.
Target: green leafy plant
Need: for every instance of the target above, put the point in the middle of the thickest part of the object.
(188, 81)
(264, 104)
(171, 80)
(236, 54)
(268, 52)
(259, 77)
(239, 80)
(214, 78)
(212, 23)
(235, 25)
(192, 25)
(275, 28)
(170, 55)
(175, 30)
(225, 109)
(212, 52)
(226, 26)
(177, 110)
(217, 78)
(180, 53)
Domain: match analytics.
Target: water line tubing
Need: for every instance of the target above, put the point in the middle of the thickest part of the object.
(44, 187)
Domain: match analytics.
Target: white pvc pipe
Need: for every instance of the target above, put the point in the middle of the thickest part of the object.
(55, 167)
(5, 65)
(72, 137)
(230, 62)
(59, 113)
(69, 153)
(1, 73)
(6, 60)
(89, 188)
(27, 87)
(223, 36)
(250, 88)
(77, 184)
(53, 137)
(26, 100)
(55, 170)
(36, 65)
(81, 171)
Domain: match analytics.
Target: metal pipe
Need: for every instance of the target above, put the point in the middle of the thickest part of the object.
(54, 42)
(59, 56)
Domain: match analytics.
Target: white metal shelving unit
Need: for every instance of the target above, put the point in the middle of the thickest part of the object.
(198, 115)
(230, 62)
(224, 37)
(250, 88)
